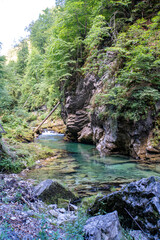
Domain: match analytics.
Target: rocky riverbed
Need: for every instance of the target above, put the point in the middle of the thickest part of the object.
(23, 214)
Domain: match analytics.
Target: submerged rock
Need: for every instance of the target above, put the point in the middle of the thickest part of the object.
(103, 227)
(138, 204)
(50, 191)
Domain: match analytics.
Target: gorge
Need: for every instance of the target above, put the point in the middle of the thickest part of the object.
(98, 62)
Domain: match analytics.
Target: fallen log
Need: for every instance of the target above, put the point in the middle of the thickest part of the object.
(47, 117)
(3, 131)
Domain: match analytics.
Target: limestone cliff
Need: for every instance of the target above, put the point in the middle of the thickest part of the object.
(83, 122)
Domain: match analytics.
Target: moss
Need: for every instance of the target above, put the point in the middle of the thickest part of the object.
(21, 155)
(89, 201)
(63, 203)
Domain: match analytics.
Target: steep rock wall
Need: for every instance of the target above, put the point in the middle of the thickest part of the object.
(110, 136)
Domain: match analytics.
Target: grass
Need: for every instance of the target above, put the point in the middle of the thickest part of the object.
(22, 155)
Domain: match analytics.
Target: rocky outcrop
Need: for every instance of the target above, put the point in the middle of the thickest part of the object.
(50, 191)
(138, 204)
(76, 122)
(86, 135)
(129, 138)
(83, 123)
(103, 227)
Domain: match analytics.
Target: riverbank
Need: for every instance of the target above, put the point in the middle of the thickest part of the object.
(23, 215)
(17, 144)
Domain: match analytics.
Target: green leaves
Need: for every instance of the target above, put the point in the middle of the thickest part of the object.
(97, 33)
(22, 57)
(137, 86)
(73, 39)
(39, 30)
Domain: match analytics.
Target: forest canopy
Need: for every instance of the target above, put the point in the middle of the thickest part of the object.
(72, 39)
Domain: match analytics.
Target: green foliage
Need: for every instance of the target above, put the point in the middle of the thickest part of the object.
(71, 40)
(74, 230)
(34, 89)
(59, 64)
(64, 53)
(60, 3)
(97, 32)
(13, 82)
(145, 8)
(22, 57)
(137, 87)
(95, 37)
(5, 98)
(7, 164)
(39, 30)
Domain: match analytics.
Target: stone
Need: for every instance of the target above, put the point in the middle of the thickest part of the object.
(139, 201)
(63, 203)
(72, 207)
(76, 122)
(97, 134)
(103, 227)
(86, 135)
(137, 235)
(50, 191)
(54, 213)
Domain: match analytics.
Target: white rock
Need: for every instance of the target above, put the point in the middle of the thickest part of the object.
(54, 213)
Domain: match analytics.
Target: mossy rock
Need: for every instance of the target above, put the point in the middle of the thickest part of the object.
(51, 191)
(88, 202)
(63, 203)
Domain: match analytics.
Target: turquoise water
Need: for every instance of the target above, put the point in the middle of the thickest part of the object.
(81, 167)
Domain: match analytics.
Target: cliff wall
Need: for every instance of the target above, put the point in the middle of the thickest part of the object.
(110, 135)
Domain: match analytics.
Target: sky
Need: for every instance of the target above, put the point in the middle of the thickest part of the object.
(15, 15)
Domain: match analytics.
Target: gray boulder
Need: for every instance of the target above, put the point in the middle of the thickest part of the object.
(50, 191)
(138, 204)
(103, 227)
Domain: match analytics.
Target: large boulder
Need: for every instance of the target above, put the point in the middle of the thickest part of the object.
(103, 227)
(138, 204)
(50, 191)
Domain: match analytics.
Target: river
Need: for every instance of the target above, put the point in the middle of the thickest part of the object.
(81, 168)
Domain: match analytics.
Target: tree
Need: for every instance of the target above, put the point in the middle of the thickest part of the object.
(38, 30)
(22, 56)
(60, 3)
(5, 99)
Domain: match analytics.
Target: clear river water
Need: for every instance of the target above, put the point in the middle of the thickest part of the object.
(80, 167)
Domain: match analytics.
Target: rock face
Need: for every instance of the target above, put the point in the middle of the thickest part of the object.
(83, 124)
(50, 191)
(103, 227)
(138, 200)
(86, 135)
